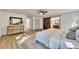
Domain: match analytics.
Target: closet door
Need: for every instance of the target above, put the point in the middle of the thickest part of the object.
(46, 23)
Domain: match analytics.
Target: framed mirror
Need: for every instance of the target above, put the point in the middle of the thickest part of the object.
(15, 21)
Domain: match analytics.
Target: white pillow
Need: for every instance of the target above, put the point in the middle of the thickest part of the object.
(77, 35)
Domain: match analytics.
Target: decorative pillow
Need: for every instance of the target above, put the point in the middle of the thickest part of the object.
(71, 34)
(77, 35)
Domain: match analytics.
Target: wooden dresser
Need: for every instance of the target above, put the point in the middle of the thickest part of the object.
(15, 29)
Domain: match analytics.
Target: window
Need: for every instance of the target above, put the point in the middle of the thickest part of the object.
(55, 22)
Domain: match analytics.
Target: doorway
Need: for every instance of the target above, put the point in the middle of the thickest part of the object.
(46, 23)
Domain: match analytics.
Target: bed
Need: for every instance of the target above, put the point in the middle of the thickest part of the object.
(55, 39)
(64, 43)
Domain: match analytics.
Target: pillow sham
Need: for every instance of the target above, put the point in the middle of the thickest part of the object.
(71, 34)
(77, 35)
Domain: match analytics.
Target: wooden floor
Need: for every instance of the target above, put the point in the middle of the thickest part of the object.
(9, 42)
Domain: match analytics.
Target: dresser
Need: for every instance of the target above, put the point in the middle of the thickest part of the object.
(15, 29)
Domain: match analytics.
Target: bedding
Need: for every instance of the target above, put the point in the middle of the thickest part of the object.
(71, 33)
(63, 43)
(54, 43)
(55, 39)
(77, 35)
(68, 44)
(45, 35)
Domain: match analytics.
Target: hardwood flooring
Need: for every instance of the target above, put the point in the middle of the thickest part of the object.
(9, 42)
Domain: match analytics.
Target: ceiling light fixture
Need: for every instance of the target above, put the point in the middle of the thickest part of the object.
(43, 12)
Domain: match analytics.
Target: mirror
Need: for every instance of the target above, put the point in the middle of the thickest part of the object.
(15, 21)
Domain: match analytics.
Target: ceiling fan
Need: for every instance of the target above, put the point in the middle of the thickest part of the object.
(43, 12)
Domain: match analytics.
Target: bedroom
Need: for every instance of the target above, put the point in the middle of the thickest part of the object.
(35, 31)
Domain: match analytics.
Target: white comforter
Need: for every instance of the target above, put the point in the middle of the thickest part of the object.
(63, 43)
(55, 38)
(43, 36)
(67, 43)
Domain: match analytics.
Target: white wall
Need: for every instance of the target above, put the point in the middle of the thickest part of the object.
(29, 23)
(4, 20)
(34, 23)
(66, 21)
(68, 18)
(41, 23)
(37, 23)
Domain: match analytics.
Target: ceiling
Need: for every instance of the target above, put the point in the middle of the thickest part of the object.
(35, 12)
